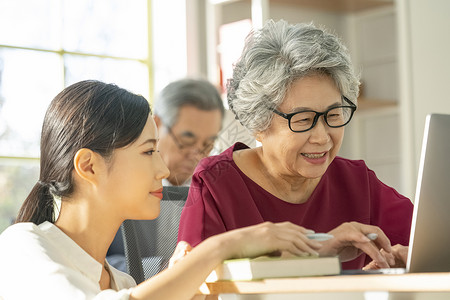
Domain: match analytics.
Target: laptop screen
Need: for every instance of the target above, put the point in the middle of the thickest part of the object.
(429, 246)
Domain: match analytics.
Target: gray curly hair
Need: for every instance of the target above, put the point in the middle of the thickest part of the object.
(277, 55)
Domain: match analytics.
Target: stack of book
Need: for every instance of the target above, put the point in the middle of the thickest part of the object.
(275, 267)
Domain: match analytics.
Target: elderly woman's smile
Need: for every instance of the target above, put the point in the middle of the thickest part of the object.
(314, 155)
(315, 158)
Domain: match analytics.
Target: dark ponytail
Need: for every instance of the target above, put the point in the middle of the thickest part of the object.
(88, 114)
(38, 206)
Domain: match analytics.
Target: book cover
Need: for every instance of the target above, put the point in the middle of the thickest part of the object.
(275, 267)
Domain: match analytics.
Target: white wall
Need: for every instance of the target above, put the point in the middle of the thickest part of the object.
(430, 49)
(373, 134)
(424, 73)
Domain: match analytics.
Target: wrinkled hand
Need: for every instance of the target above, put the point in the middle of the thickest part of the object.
(269, 238)
(182, 249)
(397, 258)
(350, 241)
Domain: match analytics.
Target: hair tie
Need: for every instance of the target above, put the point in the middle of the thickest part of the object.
(56, 207)
(56, 201)
(42, 183)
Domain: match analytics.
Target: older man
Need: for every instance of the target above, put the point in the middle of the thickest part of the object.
(188, 114)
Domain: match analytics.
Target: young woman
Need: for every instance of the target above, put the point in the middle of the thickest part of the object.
(99, 166)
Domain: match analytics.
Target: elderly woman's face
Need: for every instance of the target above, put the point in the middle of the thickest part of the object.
(307, 154)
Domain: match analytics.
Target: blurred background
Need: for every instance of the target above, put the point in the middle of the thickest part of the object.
(400, 48)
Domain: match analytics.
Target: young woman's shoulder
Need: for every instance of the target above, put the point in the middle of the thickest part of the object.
(21, 245)
(20, 238)
(14, 232)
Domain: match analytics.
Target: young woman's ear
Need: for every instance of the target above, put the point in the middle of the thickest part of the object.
(88, 165)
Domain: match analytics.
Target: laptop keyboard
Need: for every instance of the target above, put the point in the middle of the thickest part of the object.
(389, 271)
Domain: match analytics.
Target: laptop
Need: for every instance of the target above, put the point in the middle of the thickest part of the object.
(429, 242)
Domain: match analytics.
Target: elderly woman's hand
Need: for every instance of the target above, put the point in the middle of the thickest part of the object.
(398, 254)
(350, 240)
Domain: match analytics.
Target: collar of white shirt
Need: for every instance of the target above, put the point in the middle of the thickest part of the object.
(75, 255)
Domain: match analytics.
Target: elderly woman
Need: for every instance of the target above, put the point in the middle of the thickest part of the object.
(294, 88)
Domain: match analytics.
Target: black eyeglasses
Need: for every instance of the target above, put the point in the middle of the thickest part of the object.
(186, 143)
(305, 120)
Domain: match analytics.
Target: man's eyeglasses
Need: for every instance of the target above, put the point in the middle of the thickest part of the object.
(188, 142)
(305, 120)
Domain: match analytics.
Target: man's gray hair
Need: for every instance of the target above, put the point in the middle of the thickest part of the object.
(277, 55)
(199, 93)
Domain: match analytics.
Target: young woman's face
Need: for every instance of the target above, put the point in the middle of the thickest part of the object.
(304, 154)
(133, 182)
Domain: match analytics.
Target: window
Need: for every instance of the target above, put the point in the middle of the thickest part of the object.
(46, 45)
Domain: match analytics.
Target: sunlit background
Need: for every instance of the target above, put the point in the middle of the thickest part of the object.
(46, 45)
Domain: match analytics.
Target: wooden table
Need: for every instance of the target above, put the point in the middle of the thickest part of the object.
(379, 287)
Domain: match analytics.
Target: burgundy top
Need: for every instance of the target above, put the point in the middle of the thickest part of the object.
(221, 198)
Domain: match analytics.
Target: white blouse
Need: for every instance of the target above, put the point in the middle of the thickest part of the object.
(42, 262)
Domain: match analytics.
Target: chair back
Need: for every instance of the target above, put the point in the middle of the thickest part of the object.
(149, 244)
